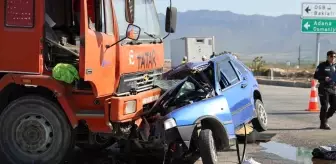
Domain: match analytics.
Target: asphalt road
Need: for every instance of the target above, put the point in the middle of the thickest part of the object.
(297, 129)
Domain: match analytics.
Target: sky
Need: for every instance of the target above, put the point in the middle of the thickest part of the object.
(247, 7)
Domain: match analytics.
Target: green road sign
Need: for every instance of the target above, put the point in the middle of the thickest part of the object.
(318, 25)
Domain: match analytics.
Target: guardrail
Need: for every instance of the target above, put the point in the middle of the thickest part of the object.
(285, 78)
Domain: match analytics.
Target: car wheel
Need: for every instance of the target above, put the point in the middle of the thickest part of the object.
(260, 122)
(35, 130)
(207, 147)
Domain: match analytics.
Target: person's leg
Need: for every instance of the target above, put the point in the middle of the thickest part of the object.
(332, 108)
(324, 100)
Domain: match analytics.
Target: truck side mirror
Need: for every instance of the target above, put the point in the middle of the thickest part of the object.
(171, 14)
(133, 32)
(129, 11)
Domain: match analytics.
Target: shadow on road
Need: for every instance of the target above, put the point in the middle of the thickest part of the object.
(256, 137)
(291, 113)
(308, 128)
(272, 151)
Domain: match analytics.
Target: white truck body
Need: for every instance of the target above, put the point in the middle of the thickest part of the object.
(192, 47)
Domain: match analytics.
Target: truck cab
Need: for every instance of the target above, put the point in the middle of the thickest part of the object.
(111, 49)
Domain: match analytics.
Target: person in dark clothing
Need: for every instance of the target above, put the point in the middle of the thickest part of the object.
(213, 55)
(325, 74)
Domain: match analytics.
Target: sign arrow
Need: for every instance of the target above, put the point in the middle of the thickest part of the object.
(307, 9)
(307, 25)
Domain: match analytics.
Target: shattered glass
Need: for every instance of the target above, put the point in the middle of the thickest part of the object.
(166, 84)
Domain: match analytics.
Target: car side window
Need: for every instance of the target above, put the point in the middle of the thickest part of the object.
(222, 81)
(230, 73)
(239, 66)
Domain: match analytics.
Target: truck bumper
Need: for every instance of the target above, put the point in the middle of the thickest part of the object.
(116, 106)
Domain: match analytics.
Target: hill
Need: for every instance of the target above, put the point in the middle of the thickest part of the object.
(276, 38)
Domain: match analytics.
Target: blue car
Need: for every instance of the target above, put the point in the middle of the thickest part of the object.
(210, 100)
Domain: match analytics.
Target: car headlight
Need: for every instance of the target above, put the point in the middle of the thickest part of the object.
(130, 107)
(169, 123)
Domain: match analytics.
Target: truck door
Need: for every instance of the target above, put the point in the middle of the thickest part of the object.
(97, 63)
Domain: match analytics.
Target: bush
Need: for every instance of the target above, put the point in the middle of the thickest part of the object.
(258, 63)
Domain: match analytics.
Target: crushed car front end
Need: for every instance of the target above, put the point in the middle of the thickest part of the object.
(181, 113)
(187, 106)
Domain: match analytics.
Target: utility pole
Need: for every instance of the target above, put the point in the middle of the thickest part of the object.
(299, 59)
(317, 49)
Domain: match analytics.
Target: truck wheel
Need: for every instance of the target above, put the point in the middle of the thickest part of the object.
(260, 122)
(99, 142)
(207, 147)
(35, 130)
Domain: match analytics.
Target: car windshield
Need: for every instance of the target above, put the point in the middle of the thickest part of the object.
(145, 16)
(186, 89)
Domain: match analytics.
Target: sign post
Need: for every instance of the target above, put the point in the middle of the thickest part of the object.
(318, 18)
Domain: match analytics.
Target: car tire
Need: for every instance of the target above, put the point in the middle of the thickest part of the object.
(260, 122)
(34, 129)
(207, 147)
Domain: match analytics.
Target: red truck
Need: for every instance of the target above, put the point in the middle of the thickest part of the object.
(116, 47)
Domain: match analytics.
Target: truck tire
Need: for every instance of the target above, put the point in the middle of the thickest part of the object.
(33, 129)
(260, 122)
(207, 147)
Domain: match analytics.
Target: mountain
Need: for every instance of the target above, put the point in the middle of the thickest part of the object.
(275, 38)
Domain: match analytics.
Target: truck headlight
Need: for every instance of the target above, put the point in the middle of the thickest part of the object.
(130, 107)
(169, 123)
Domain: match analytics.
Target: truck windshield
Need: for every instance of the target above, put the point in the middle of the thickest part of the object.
(145, 16)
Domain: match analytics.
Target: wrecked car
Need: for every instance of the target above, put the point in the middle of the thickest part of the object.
(230, 78)
(199, 115)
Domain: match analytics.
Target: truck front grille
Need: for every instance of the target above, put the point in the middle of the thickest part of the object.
(138, 82)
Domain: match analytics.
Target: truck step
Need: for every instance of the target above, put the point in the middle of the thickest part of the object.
(90, 113)
(95, 120)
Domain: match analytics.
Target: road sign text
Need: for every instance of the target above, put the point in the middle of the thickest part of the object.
(318, 10)
(318, 26)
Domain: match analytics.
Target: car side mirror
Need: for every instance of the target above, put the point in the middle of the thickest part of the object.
(129, 11)
(133, 32)
(171, 14)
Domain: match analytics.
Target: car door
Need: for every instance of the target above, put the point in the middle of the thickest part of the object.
(247, 89)
(97, 62)
(233, 88)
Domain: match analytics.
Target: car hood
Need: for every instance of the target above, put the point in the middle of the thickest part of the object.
(172, 91)
(184, 70)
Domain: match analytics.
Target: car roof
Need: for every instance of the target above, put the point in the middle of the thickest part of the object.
(222, 57)
(184, 69)
(197, 66)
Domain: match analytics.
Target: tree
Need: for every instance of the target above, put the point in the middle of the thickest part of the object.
(258, 63)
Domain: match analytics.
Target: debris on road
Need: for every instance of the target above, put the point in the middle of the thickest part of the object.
(325, 152)
(250, 161)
